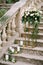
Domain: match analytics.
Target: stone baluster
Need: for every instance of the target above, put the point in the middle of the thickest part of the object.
(19, 24)
(13, 26)
(4, 36)
(9, 30)
(0, 41)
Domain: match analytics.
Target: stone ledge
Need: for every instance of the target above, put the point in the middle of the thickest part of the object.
(29, 56)
(23, 39)
(17, 63)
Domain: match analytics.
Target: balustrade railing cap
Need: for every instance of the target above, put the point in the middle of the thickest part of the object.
(13, 10)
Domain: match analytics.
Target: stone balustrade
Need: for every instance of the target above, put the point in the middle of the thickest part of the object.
(11, 21)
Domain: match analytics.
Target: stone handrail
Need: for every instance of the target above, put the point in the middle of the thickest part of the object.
(10, 24)
(12, 11)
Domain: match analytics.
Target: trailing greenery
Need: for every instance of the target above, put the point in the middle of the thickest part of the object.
(2, 12)
(7, 57)
(11, 1)
(26, 30)
(0, 1)
(8, 1)
(33, 18)
(10, 51)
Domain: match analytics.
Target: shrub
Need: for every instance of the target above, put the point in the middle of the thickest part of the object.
(2, 12)
(11, 1)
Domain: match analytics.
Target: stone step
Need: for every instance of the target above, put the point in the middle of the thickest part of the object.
(30, 28)
(30, 50)
(36, 59)
(23, 39)
(29, 56)
(34, 51)
(17, 63)
(40, 28)
(28, 42)
(29, 33)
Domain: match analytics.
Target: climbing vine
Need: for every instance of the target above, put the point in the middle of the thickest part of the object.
(33, 18)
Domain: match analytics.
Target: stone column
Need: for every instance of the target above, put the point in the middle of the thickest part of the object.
(4, 37)
(13, 26)
(19, 25)
(9, 30)
(0, 41)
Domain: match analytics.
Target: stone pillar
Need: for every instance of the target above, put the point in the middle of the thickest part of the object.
(4, 37)
(0, 41)
(13, 26)
(19, 25)
(9, 30)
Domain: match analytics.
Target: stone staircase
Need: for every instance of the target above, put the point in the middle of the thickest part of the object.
(28, 54)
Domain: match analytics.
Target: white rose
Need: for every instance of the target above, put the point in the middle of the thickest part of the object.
(35, 18)
(13, 59)
(21, 43)
(12, 49)
(6, 57)
(40, 12)
(31, 14)
(18, 48)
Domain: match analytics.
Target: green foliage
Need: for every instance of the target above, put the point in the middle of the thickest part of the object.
(2, 12)
(26, 29)
(24, 18)
(0, 1)
(11, 1)
(10, 58)
(10, 52)
(33, 18)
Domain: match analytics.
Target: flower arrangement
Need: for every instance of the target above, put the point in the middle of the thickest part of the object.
(12, 50)
(33, 18)
(21, 43)
(9, 58)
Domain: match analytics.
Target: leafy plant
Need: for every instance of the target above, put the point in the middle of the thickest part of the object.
(10, 58)
(0, 1)
(33, 18)
(2, 12)
(11, 1)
